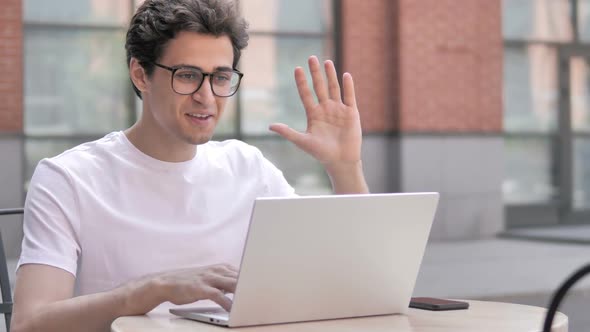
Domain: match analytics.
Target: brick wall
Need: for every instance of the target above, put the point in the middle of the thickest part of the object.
(11, 67)
(369, 53)
(425, 65)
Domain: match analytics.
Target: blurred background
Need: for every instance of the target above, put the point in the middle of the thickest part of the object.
(484, 101)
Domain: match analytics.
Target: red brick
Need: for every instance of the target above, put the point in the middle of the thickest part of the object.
(11, 66)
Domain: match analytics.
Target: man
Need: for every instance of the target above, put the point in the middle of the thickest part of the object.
(158, 212)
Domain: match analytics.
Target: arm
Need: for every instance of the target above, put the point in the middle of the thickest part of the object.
(347, 178)
(43, 302)
(43, 297)
(333, 134)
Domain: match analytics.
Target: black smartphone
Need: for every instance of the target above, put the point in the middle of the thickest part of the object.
(430, 303)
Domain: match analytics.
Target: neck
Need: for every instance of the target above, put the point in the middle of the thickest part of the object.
(157, 143)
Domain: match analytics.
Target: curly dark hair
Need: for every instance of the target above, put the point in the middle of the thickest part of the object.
(158, 21)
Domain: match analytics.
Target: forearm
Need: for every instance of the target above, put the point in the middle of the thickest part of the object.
(93, 312)
(347, 178)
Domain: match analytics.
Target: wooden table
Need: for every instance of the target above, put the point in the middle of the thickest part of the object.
(480, 317)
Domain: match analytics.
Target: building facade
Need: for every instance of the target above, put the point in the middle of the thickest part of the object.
(428, 76)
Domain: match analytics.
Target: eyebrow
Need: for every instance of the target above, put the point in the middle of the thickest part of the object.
(184, 65)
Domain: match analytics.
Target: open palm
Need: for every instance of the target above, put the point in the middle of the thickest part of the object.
(333, 133)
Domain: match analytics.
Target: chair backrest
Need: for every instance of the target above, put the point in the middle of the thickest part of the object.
(560, 294)
(6, 305)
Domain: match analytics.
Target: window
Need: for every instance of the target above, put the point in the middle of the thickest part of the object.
(530, 121)
(76, 83)
(546, 98)
(283, 34)
(532, 30)
(546, 20)
(584, 19)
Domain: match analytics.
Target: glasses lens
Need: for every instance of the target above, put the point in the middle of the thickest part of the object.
(225, 83)
(186, 81)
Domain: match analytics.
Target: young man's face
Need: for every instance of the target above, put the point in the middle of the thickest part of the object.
(189, 118)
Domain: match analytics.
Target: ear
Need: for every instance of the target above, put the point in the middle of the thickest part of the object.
(138, 75)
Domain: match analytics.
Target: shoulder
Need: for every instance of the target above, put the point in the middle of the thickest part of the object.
(82, 158)
(87, 153)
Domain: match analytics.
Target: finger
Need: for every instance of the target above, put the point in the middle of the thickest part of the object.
(303, 89)
(225, 270)
(333, 85)
(232, 268)
(218, 297)
(225, 284)
(231, 274)
(349, 95)
(289, 134)
(319, 86)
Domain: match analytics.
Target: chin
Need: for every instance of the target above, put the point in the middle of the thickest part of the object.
(198, 140)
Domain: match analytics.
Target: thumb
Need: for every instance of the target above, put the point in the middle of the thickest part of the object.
(288, 133)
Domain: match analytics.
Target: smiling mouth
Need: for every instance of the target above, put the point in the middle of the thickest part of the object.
(199, 116)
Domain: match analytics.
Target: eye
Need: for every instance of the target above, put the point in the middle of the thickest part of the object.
(188, 75)
(222, 78)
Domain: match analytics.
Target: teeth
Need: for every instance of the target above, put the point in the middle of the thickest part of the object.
(200, 116)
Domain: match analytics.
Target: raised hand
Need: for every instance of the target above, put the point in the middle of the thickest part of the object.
(333, 132)
(333, 135)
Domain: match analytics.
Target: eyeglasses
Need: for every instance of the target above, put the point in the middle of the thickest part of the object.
(188, 80)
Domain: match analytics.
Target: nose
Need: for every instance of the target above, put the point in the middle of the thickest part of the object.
(205, 94)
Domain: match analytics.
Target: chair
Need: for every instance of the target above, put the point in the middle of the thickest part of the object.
(6, 305)
(560, 294)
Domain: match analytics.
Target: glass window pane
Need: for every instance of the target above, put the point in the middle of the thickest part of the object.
(580, 93)
(303, 172)
(37, 149)
(531, 97)
(108, 12)
(537, 19)
(268, 91)
(288, 15)
(528, 167)
(581, 164)
(75, 82)
(584, 19)
(227, 123)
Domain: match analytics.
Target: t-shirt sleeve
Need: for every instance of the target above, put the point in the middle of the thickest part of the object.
(51, 223)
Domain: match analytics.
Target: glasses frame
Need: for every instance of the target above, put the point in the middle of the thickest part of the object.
(205, 74)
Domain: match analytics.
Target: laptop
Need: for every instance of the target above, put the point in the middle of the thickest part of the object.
(327, 257)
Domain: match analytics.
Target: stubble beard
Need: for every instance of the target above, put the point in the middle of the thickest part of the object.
(198, 139)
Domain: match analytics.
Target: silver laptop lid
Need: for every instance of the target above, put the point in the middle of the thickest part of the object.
(313, 258)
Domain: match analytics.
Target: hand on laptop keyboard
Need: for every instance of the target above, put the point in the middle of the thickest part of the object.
(188, 285)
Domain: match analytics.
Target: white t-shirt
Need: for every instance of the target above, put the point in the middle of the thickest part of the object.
(107, 213)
